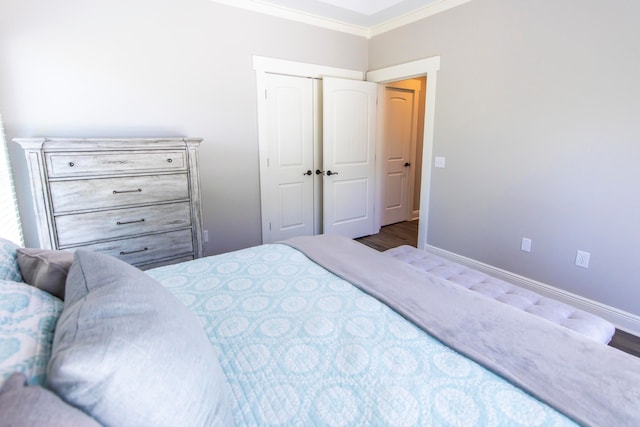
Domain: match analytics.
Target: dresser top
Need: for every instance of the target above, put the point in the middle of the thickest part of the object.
(80, 144)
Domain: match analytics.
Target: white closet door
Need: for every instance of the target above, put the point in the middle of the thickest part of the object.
(349, 115)
(288, 203)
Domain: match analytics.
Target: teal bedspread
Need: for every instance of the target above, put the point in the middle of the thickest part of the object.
(302, 347)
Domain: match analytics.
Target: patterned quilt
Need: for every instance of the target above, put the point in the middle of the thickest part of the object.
(302, 347)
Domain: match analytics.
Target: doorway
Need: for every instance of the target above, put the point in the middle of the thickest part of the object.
(423, 67)
(402, 137)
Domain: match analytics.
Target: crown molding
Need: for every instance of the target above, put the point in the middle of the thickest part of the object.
(425, 12)
(332, 24)
(295, 15)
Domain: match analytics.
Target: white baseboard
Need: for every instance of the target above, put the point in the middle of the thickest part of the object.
(621, 319)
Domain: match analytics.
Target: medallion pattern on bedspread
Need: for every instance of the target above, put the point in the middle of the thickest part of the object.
(303, 347)
(28, 318)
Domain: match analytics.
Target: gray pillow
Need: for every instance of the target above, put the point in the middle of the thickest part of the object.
(27, 406)
(45, 269)
(128, 353)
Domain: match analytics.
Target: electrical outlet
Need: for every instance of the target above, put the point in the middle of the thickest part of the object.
(582, 259)
(206, 235)
(526, 245)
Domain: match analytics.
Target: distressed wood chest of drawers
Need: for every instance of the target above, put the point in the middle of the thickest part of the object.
(136, 199)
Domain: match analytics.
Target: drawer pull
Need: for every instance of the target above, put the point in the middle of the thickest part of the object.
(129, 222)
(139, 190)
(133, 252)
(71, 164)
(169, 160)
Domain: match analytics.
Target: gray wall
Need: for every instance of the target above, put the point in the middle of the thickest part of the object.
(82, 68)
(538, 116)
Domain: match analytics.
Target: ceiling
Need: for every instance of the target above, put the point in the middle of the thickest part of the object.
(360, 17)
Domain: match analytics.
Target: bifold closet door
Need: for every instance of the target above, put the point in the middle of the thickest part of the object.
(349, 136)
(319, 170)
(288, 204)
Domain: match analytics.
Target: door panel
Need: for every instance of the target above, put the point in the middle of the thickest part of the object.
(349, 156)
(289, 201)
(394, 199)
(291, 197)
(345, 208)
(350, 118)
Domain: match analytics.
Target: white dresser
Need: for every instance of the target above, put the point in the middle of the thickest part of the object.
(136, 199)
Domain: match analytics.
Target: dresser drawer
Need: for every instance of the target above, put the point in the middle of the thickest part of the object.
(147, 249)
(117, 223)
(166, 261)
(116, 192)
(114, 162)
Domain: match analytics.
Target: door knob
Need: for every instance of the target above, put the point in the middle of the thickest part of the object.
(319, 172)
(406, 165)
(329, 173)
(308, 173)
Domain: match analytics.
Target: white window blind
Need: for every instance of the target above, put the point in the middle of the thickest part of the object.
(10, 228)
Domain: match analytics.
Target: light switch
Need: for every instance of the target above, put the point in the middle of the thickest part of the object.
(526, 245)
(440, 162)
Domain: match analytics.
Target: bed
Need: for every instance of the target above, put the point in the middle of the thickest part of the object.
(312, 331)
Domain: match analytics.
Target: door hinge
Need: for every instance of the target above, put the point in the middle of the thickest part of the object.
(265, 94)
(269, 226)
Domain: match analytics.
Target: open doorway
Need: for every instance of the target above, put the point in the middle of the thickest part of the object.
(402, 114)
(424, 67)
(402, 136)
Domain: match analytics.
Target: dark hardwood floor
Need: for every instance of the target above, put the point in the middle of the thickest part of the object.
(406, 233)
(626, 342)
(394, 235)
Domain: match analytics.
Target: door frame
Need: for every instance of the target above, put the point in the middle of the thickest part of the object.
(424, 67)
